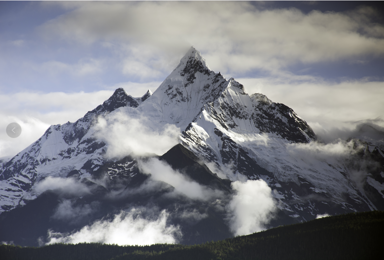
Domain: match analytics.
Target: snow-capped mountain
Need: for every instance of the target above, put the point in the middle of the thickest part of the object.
(226, 135)
(63, 150)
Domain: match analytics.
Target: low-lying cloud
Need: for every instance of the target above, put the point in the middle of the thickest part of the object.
(62, 186)
(69, 212)
(227, 171)
(371, 131)
(126, 228)
(313, 152)
(161, 171)
(126, 132)
(333, 110)
(332, 158)
(251, 207)
(192, 216)
(325, 215)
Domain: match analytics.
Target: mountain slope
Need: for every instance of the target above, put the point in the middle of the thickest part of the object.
(63, 150)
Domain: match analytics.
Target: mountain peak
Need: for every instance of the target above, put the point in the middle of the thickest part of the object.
(146, 95)
(185, 91)
(192, 60)
(119, 93)
(118, 99)
(192, 53)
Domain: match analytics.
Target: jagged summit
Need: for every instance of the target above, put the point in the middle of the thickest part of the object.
(192, 56)
(185, 91)
(192, 88)
(146, 95)
(121, 99)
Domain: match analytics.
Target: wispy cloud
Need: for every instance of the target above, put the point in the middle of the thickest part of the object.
(67, 211)
(161, 171)
(233, 45)
(228, 171)
(344, 156)
(66, 186)
(81, 68)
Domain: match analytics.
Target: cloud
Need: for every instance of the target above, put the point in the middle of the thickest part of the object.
(145, 62)
(192, 216)
(32, 129)
(331, 160)
(251, 207)
(267, 39)
(371, 131)
(65, 186)
(81, 68)
(344, 152)
(126, 228)
(7, 243)
(53, 102)
(329, 108)
(314, 152)
(139, 69)
(228, 171)
(69, 212)
(145, 188)
(35, 112)
(138, 41)
(161, 171)
(18, 43)
(325, 215)
(129, 133)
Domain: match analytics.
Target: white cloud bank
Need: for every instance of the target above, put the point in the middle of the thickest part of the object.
(251, 207)
(127, 228)
(126, 132)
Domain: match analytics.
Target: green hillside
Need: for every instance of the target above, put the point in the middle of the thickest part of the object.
(351, 236)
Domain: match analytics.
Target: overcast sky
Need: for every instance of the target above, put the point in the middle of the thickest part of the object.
(61, 59)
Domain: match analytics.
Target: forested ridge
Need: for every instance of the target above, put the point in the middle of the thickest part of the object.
(350, 236)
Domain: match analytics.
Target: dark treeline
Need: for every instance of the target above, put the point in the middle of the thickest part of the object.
(351, 236)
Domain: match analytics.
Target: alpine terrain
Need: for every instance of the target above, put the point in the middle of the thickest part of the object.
(234, 163)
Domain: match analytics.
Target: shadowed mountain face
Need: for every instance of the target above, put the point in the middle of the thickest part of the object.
(240, 163)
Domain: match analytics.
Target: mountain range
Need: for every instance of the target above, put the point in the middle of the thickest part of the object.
(197, 160)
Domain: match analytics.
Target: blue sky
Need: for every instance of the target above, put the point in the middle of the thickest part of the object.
(60, 59)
